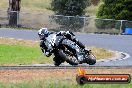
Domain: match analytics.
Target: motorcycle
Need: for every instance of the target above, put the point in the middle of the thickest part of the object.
(67, 50)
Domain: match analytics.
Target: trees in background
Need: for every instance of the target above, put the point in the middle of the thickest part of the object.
(116, 9)
(70, 7)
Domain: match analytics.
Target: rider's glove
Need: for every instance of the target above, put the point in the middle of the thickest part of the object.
(47, 54)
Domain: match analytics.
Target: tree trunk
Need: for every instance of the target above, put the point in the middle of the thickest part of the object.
(13, 18)
(13, 12)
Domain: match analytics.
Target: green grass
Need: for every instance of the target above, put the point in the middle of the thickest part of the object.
(60, 84)
(16, 55)
(21, 52)
(21, 55)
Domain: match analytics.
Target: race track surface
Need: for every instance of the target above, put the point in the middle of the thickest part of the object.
(122, 43)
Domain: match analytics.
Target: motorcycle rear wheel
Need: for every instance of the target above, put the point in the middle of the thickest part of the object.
(69, 60)
(57, 61)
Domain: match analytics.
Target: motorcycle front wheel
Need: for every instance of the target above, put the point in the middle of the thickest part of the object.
(91, 59)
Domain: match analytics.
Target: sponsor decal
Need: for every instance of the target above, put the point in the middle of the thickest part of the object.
(83, 78)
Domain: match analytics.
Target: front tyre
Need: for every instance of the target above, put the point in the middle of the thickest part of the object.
(91, 60)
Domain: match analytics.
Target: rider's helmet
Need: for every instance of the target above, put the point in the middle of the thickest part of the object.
(43, 33)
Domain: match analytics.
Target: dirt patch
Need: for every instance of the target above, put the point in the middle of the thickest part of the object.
(18, 42)
(53, 74)
(101, 53)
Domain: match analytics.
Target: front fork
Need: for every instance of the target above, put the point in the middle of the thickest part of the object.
(84, 55)
(88, 52)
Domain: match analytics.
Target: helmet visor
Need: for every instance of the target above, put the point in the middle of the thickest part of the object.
(41, 37)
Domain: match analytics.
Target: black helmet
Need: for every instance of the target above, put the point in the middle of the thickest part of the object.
(43, 32)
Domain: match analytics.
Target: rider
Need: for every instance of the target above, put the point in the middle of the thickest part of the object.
(44, 33)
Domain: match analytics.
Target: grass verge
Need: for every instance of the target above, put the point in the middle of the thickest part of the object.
(60, 84)
(55, 78)
(19, 55)
(21, 52)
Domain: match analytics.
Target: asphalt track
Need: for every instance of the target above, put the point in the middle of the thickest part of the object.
(122, 43)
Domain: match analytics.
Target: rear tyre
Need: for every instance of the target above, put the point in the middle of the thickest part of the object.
(66, 58)
(57, 61)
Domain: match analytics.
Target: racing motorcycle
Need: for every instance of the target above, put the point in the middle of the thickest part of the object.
(67, 50)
